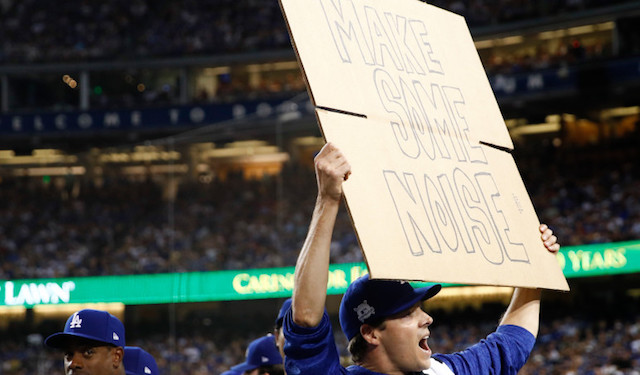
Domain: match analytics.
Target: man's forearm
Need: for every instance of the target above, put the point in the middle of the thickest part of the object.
(524, 310)
(312, 267)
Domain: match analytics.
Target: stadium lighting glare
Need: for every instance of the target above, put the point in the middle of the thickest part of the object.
(309, 141)
(605, 26)
(269, 67)
(514, 122)
(245, 144)
(552, 34)
(140, 154)
(581, 30)
(242, 149)
(516, 39)
(51, 171)
(535, 129)
(286, 65)
(64, 310)
(45, 152)
(506, 41)
(155, 169)
(7, 154)
(481, 44)
(577, 30)
(553, 119)
(232, 151)
(37, 157)
(7, 312)
(619, 112)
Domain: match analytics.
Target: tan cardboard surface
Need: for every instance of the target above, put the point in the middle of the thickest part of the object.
(428, 201)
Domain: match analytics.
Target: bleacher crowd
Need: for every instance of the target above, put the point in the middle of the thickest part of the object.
(125, 30)
(126, 227)
(119, 30)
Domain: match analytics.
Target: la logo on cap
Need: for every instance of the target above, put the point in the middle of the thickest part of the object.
(265, 359)
(147, 370)
(76, 322)
(115, 336)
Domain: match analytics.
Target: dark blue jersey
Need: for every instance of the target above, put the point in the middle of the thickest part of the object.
(312, 351)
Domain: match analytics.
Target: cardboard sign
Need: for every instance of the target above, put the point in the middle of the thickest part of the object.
(434, 194)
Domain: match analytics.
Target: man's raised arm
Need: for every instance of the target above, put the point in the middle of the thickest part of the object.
(524, 309)
(312, 267)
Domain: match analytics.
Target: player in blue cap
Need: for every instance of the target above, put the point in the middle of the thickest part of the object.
(262, 358)
(387, 329)
(137, 361)
(92, 342)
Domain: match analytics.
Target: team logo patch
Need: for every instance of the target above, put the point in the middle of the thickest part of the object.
(264, 359)
(76, 322)
(364, 311)
(147, 370)
(116, 337)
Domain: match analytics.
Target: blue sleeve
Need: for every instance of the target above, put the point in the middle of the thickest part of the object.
(502, 352)
(310, 351)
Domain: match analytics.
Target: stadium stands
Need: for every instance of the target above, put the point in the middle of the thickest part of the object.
(237, 224)
(86, 31)
(587, 193)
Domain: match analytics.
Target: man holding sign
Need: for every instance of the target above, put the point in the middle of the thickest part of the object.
(387, 329)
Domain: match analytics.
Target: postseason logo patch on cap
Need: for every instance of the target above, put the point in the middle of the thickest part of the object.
(364, 311)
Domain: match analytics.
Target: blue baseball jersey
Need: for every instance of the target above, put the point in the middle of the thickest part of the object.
(313, 350)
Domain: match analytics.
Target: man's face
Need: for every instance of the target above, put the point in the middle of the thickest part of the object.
(82, 357)
(404, 339)
(252, 372)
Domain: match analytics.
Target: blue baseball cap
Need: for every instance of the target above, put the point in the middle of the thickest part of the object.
(139, 362)
(90, 324)
(369, 301)
(261, 352)
(286, 305)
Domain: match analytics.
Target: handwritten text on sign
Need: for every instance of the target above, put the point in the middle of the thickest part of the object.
(399, 87)
(455, 209)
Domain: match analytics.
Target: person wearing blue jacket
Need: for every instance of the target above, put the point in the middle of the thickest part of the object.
(383, 320)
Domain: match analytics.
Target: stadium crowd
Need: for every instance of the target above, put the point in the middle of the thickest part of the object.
(84, 31)
(124, 30)
(125, 227)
